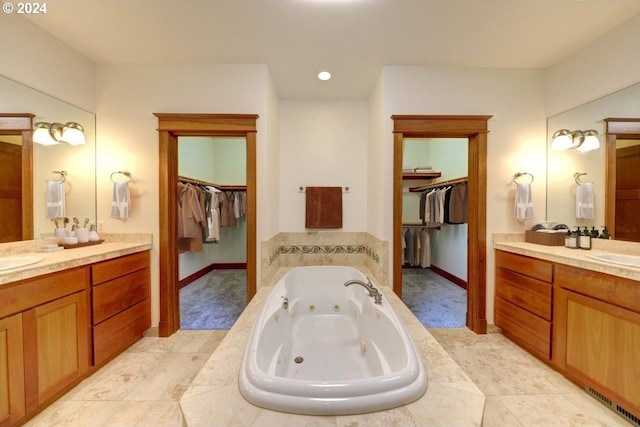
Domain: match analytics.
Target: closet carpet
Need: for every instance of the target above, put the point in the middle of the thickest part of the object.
(434, 300)
(214, 301)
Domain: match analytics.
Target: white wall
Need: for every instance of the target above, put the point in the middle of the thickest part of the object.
(323, 143)
(376, 161)
(127, 97)
(610, 63)
(516, 141)
(33, 57)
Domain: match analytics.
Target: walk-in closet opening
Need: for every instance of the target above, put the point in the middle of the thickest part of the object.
(434, 230)
(212, 232)
(474, 129)
(172, 126)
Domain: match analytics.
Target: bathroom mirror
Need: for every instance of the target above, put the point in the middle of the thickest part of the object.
(562, 165)
(77, 161)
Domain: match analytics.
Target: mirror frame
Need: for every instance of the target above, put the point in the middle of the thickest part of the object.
(615, 128)
(22, 124)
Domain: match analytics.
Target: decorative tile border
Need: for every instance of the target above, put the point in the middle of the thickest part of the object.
(323, 249)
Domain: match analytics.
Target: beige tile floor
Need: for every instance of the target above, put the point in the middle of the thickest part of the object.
(142, 386)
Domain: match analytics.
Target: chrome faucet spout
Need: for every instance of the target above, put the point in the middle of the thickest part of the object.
(373, 292)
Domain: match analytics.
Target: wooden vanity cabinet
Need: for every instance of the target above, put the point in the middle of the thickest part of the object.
(597, 333)
(121, 305)
(12, 406)
(523, 303)
(44, 344)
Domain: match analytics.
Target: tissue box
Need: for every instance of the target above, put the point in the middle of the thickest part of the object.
(545, 238)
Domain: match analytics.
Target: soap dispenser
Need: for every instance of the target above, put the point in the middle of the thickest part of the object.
(574, 239)
(585, 239)
(594, 232)
(605, 233)
(567, 239)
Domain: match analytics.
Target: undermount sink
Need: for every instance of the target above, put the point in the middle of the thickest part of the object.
(630, 260)
(18, 261)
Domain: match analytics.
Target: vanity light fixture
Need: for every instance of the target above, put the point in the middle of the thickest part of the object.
(52, 133)
(42, 134)
(324, 75)
(564, 139)
(591, 141)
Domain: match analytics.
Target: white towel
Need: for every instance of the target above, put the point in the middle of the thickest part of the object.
(524, 202)
(121, 203)
(55, 199)
(584, 201)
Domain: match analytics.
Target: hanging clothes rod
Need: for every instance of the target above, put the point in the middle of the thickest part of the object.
(438, 184)
(211, 184)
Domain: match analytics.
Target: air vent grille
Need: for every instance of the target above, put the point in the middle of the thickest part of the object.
(617, 408)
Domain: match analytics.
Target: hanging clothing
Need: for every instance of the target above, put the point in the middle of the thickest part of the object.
(459, 204)
(190, 218)
(212, 211)
(425, 248)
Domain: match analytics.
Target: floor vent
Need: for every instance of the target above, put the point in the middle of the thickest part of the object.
(617, 408)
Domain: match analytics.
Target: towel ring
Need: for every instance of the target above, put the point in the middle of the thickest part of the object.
(519, 174)
(63, 177)
(125, 173)
(576, 177)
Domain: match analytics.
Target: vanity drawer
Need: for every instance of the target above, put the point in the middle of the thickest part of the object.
(28, 293)
(525, 329)
(112, 297)
(612, 289)
(526, 292)
(120, 331)
(114, 268)
(532, 267)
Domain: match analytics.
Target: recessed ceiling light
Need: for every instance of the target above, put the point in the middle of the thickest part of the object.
(324, 75)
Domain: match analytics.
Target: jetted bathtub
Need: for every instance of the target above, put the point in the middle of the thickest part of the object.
(321, 348)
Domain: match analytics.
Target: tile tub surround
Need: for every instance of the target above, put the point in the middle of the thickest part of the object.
(575, 257)
(213, 395)
(353, 249)
(69, 258)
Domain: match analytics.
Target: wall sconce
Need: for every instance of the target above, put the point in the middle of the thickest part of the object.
(52, 133)
(581, 141)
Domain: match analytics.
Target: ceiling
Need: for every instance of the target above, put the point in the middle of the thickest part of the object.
(352, 38)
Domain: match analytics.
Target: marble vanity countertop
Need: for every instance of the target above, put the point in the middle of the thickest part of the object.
(574, 257)
(70, 258)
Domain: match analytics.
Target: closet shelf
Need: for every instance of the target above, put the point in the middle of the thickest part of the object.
(421, 175)
(438, 184)
(220, 187)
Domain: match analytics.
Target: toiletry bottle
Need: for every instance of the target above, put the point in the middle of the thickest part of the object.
(573, 240)
(594, 232)
(605, 233)
(585, 239)
(567, 239)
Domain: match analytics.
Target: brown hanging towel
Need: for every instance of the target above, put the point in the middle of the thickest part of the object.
(324, 207)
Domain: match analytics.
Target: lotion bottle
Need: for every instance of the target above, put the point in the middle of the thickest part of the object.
(585, 239)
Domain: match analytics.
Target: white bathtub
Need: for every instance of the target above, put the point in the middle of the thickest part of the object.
(332, 351)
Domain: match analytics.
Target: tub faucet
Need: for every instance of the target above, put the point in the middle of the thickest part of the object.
(373, 292)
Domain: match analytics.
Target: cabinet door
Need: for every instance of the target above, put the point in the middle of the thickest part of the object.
(56, 346)
(12, 406)
(601, 347)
